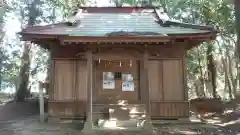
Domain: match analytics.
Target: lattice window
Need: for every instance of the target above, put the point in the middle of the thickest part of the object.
(118, 76)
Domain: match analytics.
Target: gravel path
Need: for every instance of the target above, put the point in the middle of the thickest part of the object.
(22, 119)
(31, 126)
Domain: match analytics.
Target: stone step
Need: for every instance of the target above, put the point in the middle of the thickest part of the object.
(108, 108)
(118, 123)
(119, 116)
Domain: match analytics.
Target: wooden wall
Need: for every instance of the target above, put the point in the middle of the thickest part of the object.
(69, 94)
(167, 90)
(169, 109)
(166, 80)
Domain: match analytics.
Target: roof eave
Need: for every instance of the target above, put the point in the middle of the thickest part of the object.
(78, 39)
(192, 26)
(169, 22)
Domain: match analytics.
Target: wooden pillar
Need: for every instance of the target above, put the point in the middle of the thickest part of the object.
(51, 76)
(90, 83)
(147, 124)
(146, 82)
(41, 102)
(89, 124)
(185, 87)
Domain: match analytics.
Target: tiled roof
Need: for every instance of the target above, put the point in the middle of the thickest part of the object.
(96, 22)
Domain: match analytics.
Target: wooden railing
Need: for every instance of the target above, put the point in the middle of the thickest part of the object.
(169, 109)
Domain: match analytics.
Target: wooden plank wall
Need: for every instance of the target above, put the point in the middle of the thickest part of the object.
(70, 88)
(64, 80)
(101, 95)
(69, 93)
(167, 88)
(173, 80)
(169, 109)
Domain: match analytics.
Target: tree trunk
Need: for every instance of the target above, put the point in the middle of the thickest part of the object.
(164, 6)
(211, 70)
(228, 83)
(1, 39)
(201, 76)
(200, 92)
(23, 90)
(237, 14)
(118, 3)
(1, 62)
(237, 80)
(231, 79)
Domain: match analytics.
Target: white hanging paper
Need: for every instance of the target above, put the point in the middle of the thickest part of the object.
(108, 80)
(127, 77)
(108, 84)
(127, 82)
(128, 86)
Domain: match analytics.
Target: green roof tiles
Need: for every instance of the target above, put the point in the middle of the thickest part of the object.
(101, 24)
(104, 23)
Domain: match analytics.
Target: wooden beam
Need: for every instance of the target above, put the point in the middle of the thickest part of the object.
(115, 39)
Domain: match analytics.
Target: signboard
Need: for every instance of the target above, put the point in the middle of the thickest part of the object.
(127, 82)
(128, 86)
(108, 80)
(109, 84)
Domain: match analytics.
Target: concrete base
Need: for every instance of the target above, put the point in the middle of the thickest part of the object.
(117, 123)
(184, 120)
(178, 121)
(147, 126)
(88, 128)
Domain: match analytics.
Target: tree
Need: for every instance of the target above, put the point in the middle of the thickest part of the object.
(2, 55)
(34, 11)
(237, 16)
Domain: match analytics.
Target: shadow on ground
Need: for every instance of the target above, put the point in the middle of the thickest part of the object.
(22, 119)
(15, 110)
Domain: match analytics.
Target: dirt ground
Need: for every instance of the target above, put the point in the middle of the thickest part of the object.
(22, 119)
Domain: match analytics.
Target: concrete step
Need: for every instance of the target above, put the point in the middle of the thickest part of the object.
(118, 124)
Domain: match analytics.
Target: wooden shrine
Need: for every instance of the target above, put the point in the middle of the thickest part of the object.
(105, 58)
